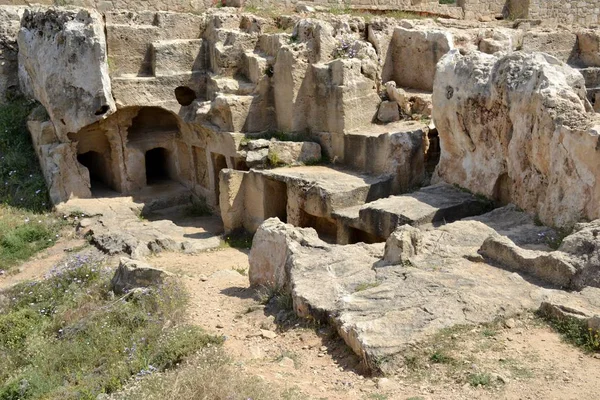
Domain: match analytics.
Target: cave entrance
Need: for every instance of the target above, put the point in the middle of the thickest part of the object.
(157, 165)
(98, 166)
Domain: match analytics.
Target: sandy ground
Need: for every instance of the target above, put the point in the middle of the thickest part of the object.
(526, 361)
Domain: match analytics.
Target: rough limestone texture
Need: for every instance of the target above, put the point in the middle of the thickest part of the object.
(554, 267)
(403, 304)
(75, 87)
(290, 153)
(516, 129)
(415, 53)
(132, 274)
(403, 243)
(270, 249)
(583, 245)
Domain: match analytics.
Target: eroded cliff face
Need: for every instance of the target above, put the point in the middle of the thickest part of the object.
(63, 64)
(516, 129)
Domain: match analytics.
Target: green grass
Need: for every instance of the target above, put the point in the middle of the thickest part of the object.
(26, 226)
(440, 357)
(67, 337)
(210, 374)
(21, 181)
(24, 233)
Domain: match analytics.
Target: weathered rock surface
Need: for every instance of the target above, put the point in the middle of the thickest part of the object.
(403, 243)
(380, 311)
(432, 204)
(63, 62)
(290, 153)
(275, 242)
(552, 267)
(388, 111)
(515, 129)
(415, 53)
(133, 274)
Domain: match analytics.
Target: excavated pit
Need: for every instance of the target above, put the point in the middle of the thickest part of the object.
(355, 133)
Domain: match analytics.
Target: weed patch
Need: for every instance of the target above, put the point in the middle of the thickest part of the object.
(480, 379)
(67, 337)
(24, 233)
(575, 332)
(22, 183)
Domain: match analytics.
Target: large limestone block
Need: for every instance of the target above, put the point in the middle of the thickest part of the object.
(175, 56)
(402, 244)
(294, 152)
(273, 243)
(515, 129)
(231, 198)
(415, 55)
(560, 44)
(230, 112)
(62, 54)
(583, 245)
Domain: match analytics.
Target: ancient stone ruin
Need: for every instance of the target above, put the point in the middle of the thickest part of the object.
(450, 166)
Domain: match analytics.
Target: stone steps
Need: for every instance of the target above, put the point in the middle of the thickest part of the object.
(228, 86)
(430, 205)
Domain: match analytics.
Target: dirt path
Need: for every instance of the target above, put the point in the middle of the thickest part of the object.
(526, 361)
(38, 266)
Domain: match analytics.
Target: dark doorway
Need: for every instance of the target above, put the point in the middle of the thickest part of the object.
(157, 165)
(99, 167)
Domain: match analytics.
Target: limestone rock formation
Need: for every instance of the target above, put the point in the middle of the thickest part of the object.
(515, 129)
(273, 243)
(402, 244)
(382, 310)
(63, 63)
(133, 274)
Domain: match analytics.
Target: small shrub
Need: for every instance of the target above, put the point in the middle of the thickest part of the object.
(274, 160)
(440, 357)
(345, 49)
(269, 71)
(480, 379)
(488, 332)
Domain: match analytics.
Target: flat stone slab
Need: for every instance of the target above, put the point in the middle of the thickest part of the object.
(115, 226)
(335, 188)
(382, 310)
(432, 204)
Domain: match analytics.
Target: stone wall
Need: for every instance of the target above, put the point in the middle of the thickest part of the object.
(585, 12)
(475, 9)
(430, 6)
